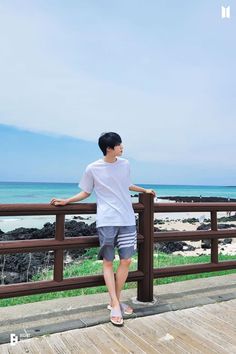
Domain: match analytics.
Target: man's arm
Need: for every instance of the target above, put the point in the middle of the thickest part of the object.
(76, 198)
(134, 188)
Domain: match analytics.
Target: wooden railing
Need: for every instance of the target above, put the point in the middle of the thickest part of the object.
(145, 272)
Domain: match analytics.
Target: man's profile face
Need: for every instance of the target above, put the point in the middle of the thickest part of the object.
(117, 151)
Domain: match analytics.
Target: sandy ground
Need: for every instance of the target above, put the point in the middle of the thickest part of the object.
(176, 224)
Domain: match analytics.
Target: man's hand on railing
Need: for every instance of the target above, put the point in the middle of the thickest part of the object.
(138, 189)
(151, 191)
(76, 198)
(57, 202)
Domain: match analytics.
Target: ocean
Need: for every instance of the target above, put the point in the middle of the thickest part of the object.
(25, 192)
(36, 192)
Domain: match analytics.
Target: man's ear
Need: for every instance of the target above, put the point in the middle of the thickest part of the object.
(109, 149)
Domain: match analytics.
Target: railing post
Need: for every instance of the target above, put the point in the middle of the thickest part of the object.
(214, 241)
(59, 254)
(145, 250)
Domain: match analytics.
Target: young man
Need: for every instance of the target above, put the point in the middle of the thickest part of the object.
(110, 179)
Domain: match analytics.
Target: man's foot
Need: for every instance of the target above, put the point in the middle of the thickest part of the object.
(126, 309)
(116, 317)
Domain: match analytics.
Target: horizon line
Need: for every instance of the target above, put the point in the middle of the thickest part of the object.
(150, 184)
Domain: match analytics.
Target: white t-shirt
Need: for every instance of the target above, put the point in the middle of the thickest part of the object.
(111, 182)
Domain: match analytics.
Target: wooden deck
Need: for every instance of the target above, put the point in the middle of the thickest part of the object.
(206, 329)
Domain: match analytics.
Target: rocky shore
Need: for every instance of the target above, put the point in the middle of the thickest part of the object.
(21, 267)
(194, 199)
(198, 199)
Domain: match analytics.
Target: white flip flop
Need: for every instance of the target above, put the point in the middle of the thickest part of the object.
(116, 313)
(124, 309)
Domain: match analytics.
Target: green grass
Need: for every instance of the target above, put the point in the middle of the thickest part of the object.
(90, 265)
(165, 260)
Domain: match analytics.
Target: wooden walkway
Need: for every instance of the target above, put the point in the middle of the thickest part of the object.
(206, 329)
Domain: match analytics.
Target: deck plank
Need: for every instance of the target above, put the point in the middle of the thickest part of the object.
(26, 346)
(103, 342)
(205, 345)
(123, 338)
(206, 331)
(181, 338)
(83, 342)
(151, 336)
(227, 317)
(57, 344)
(140, 342)
(217, 324)
(209, 329)
(227, 306)
(213, 328)
(72, 344)
(165, 334)
(42, 346)
(7, 349)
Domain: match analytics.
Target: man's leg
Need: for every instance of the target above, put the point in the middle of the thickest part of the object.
(121, 275)
(111, 285)
(126, 242)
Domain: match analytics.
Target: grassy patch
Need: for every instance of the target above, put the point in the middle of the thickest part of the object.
(165, 260)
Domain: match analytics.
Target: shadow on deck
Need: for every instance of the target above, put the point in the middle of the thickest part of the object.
(197, 316)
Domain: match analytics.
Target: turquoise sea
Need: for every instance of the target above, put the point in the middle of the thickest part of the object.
(35, 192)
(25, 192)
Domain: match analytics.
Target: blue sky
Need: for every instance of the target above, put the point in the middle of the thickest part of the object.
(160, 73)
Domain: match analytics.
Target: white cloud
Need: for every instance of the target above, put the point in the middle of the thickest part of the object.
(41, 90)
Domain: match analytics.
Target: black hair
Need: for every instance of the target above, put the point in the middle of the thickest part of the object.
(110, 140)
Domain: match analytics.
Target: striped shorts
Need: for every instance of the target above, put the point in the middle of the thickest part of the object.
(122, 237)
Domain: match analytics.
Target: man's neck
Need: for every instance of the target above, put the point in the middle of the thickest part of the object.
(110, 159)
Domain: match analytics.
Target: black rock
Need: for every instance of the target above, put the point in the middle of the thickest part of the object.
(81, 217)
(190, 220)
(201, 199)
(226, 241)
(220, 226)
(206, 244)
(159, 222)
(21, 267)
(12, 277)
(227, 218)
(170, 247)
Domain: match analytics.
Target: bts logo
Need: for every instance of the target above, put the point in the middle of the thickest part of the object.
(225, 12)
(13, 339)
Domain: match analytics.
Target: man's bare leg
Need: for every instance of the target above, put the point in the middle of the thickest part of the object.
(121, 276)
(110, 283)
